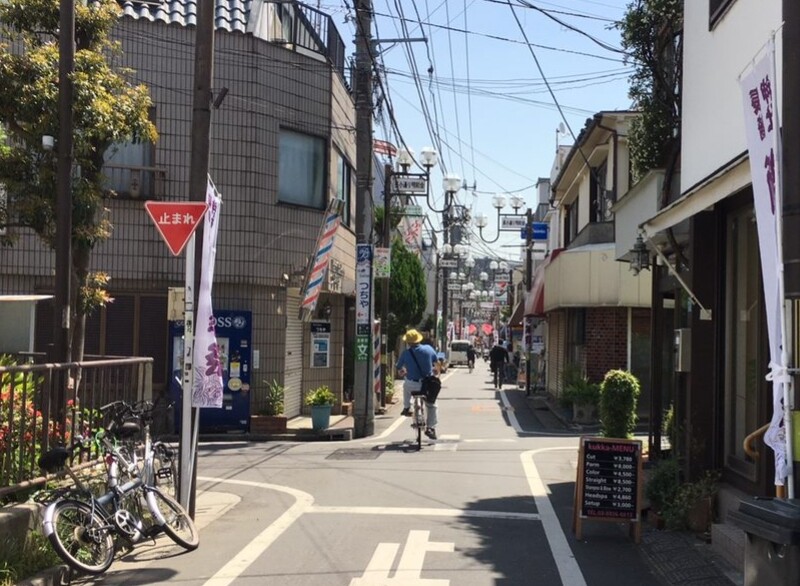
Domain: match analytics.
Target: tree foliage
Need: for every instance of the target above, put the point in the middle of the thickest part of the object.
(407, 291)
(107, 110)
(651, 33)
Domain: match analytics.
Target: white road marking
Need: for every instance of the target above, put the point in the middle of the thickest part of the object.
(379, 566)
(568, 567)
(505, 440)
(251, 552)
(409, 569)
(422, 512)
(417, 545)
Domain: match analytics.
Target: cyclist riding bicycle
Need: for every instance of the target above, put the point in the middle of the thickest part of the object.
(415, 363)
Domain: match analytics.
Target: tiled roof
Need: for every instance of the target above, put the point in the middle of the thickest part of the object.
(229, 15)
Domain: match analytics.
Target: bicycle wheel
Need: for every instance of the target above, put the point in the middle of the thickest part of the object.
(178, 525)
(419, 417)
(80, 536)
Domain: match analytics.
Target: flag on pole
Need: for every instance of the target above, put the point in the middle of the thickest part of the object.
(318, 268)
(764, 149)
(207, 387)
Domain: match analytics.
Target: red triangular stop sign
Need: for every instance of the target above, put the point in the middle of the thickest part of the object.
(176, 220)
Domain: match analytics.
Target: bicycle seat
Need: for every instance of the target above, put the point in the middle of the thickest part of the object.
(125, 429)
(53, 460)
(418, 393)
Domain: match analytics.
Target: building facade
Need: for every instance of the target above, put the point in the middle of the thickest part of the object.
(597, 311)
(282, 144)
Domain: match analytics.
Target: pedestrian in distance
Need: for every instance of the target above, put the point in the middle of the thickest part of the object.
(471, 357)
(415, 363)
(498, 358)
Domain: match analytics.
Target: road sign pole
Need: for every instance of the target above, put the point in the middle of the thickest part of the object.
(187, 455)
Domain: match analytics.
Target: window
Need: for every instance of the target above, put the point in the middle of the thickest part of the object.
(601, 197)
(129, 171)
(345, 186)
(301, 169)
(744, 326)
(716, 8)
(571, 223)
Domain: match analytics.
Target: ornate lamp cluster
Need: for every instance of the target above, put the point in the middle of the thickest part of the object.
(498, 202)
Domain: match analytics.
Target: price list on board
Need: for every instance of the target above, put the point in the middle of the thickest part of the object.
(610, 479)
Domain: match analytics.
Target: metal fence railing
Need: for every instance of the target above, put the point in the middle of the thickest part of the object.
(44, 405)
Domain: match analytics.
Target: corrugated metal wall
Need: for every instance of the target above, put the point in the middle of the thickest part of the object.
(293, 361)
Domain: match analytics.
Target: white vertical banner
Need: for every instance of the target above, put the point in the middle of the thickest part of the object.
(207, 387)
(759, 93)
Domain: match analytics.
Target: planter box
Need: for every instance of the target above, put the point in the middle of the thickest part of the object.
(584, 413)
(266, 424)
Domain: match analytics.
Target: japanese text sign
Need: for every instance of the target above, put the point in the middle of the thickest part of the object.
(176, 221)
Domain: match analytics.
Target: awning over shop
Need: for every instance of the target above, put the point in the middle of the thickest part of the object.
(727, 181)
(534, 300)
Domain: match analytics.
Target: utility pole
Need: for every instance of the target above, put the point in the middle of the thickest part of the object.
(436, 301)
(791, 149)
(445, 276)
(528, 289)
(63, 277)
(386, 243)
(364, 414)
(198, 181)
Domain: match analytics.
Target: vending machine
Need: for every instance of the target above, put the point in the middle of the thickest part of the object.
(233, 330)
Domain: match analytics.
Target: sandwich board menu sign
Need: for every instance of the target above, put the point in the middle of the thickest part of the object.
(609, 483)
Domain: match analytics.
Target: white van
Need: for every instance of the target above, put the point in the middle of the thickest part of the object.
(457, 353)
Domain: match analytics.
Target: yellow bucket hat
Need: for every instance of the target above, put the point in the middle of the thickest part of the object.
(412, 337)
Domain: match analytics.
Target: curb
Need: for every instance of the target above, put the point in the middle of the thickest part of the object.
(57, 576)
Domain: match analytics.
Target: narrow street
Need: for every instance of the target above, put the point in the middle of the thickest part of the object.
(489, 502)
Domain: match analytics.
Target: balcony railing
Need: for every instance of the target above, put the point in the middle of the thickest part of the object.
(134, 182)
(314, 31)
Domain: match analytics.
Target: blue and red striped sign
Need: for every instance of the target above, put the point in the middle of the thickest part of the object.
(319, 264)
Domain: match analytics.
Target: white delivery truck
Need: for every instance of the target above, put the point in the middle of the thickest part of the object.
(457, 353)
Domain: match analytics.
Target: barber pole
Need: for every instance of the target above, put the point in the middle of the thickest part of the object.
(376, 357)
(315, 274)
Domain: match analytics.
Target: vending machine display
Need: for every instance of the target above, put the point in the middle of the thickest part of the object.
(233, 330)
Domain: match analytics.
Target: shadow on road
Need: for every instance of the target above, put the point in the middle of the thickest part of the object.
(515, 549)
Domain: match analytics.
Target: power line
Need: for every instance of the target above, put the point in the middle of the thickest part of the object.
(469, 95)
(509, 40)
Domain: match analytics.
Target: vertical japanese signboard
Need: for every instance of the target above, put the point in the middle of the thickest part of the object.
(363, 300)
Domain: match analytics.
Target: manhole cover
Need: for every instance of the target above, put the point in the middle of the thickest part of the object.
(354, 454)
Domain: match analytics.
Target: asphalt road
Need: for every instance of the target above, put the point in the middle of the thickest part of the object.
(488, 503)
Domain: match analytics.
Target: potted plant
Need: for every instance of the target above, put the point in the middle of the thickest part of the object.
(584, 397)
(321, 401)
(619, 395)
(269, 418)
(663, 482)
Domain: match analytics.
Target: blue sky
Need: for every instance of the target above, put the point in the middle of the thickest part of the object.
(486, 100)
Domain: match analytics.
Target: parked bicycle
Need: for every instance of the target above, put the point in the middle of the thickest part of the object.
(86, 530)
(130, 425)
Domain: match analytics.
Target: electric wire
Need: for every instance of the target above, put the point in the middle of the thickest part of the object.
(512, 41)
(469, 95)
(455, 99)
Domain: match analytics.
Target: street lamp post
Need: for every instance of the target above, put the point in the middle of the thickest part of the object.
(429, 158)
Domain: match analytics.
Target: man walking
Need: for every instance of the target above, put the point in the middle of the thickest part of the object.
(415, 363)
(498, 358)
